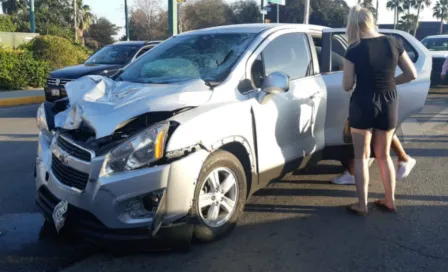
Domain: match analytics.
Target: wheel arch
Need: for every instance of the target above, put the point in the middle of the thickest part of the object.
(240, 148)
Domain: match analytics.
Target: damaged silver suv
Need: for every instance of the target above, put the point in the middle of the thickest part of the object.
(176, 143)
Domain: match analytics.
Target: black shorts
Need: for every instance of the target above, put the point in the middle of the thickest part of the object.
(374, 110)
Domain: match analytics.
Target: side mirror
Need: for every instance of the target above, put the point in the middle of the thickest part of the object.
(275, 83)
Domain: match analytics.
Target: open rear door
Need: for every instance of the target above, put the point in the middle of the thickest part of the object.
(412, 96)
(333, 45)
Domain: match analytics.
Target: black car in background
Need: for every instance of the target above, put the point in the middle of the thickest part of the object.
(106, 62)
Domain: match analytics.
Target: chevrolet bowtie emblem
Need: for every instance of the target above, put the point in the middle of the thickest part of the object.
(63, 159)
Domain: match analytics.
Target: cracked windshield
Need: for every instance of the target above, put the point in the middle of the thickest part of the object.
(209, 57)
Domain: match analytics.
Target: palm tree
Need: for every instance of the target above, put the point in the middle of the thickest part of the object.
(407, 22)
(420, 5)
(368, 4)
(397, 7)
(408, 4)
(84, 19)
(440, 11)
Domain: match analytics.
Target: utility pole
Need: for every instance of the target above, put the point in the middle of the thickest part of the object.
(278, 13)
(377, 12)
(179, 19)
(75, 21)
(32, 21)
(306, 17)
(126, 18)
(172, 17)
(262, 11)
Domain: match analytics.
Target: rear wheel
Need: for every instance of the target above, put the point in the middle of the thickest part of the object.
(220, 196)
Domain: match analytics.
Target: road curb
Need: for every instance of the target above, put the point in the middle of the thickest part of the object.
(19, 101)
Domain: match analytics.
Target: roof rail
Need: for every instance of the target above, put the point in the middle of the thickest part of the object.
(153, 42)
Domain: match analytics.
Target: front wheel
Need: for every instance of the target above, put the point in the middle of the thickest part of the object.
(220, 196)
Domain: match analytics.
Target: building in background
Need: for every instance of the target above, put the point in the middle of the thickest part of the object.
(425, 29)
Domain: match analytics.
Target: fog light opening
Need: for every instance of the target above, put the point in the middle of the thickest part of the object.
(143, 206)
(151, 201)
(136, 210)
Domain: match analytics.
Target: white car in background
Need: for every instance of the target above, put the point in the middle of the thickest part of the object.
(438, 47)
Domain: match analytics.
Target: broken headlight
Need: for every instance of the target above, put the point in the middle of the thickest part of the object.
(142, 149)
(41, 120)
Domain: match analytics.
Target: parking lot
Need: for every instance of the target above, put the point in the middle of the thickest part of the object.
(299, 223)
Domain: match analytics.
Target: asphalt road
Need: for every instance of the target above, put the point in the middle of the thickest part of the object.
(297, 224)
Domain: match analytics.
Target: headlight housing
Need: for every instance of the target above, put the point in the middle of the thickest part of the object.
(41, 121)
(144, 148)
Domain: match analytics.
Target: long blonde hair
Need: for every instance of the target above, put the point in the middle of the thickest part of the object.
(359, 19)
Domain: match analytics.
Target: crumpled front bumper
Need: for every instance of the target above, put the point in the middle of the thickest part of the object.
(98, 211)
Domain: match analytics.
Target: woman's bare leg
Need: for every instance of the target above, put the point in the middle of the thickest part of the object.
(399, 150)
(361, 143)
(382, 143)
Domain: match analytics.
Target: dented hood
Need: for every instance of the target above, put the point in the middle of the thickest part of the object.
(105, 105)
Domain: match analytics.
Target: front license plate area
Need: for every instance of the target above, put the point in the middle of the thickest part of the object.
(55, 92)
(59, 214)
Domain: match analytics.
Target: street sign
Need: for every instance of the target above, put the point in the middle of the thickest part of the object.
(277, 2)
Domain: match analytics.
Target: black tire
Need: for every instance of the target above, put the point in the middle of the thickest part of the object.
(202, 232)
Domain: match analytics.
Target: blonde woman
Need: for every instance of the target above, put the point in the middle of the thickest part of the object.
(370, 62)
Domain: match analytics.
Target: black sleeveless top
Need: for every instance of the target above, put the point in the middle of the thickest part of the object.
(375, 61)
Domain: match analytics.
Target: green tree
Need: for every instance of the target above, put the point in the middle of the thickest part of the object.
(408, 22)
(101, 33)
(332, 13)
(246, 11)
(206, 13)
(84, 19)
(408, 5)
(397, 7)
(368, 4)
(6, 24)
(420, 5)
(440, 11)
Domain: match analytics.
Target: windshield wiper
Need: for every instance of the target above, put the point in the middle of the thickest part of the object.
(224, 59)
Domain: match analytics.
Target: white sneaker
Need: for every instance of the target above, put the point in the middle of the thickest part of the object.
(405, 168)
(344, 179)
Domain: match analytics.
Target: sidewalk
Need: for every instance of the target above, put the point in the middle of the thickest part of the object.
(17, 98)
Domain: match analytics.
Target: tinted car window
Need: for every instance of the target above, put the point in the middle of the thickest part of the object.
(290, 54)
(338, 48)
(436, 44)
(114, 54)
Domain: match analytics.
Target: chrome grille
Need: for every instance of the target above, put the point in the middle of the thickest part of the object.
(74, 150)
(54, 81)
(67, 175)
